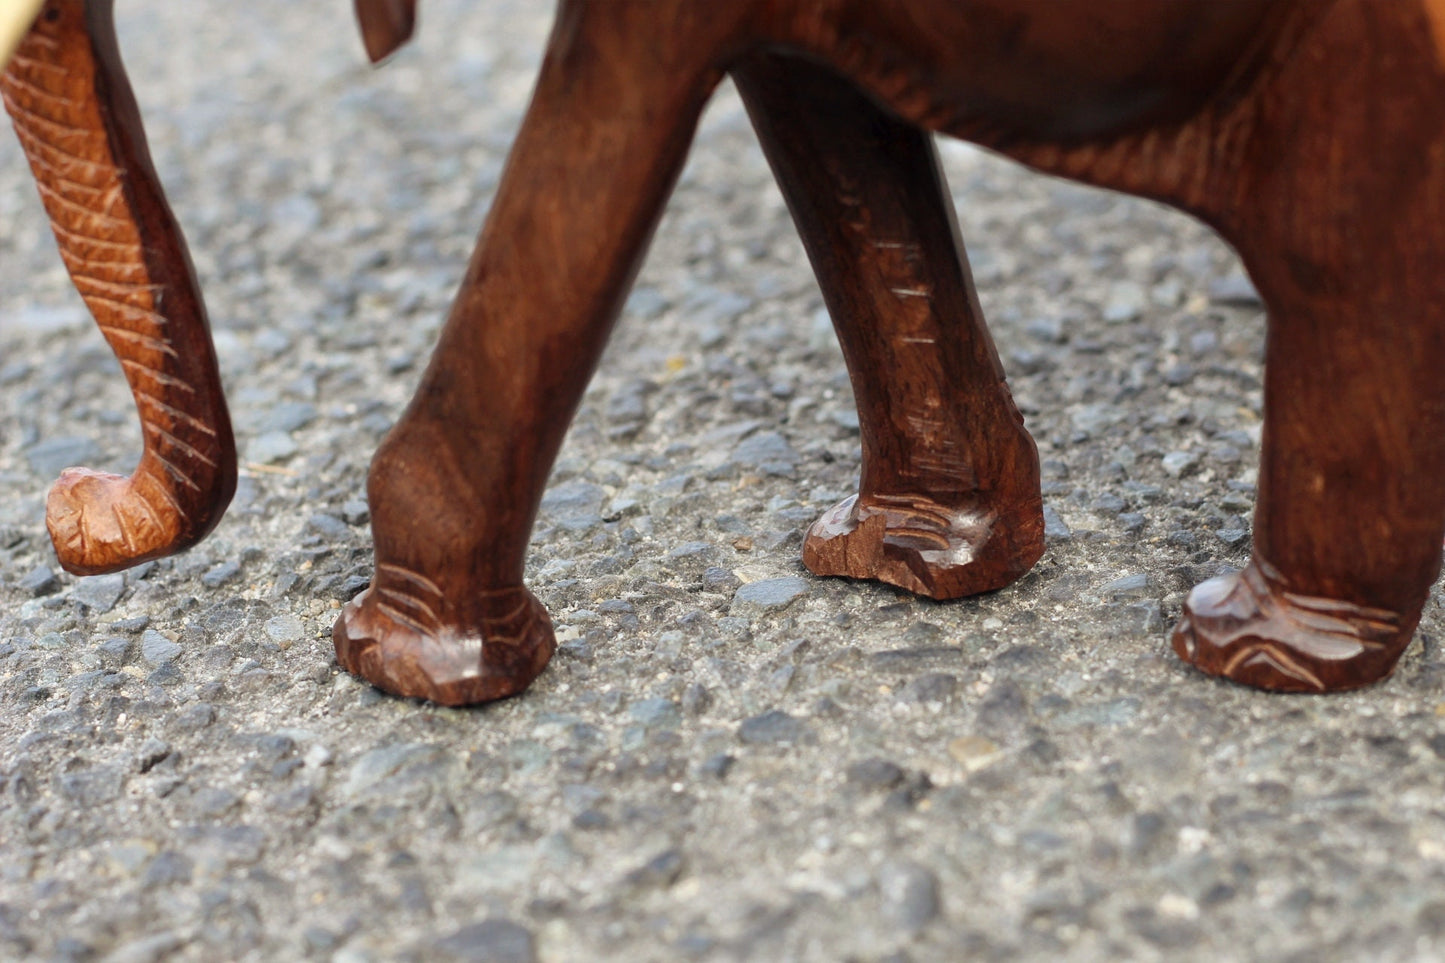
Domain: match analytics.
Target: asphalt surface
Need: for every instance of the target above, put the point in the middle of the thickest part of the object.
(728, 759)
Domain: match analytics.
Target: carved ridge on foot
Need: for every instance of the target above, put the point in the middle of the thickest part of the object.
(924, 547)
(1249, 629)
(402, 639)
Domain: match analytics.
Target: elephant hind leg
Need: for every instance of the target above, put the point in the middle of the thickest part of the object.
(948, 503)
(71, 104)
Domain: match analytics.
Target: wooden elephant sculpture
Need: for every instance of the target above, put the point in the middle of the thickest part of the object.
(67, 93)
(1309, 133)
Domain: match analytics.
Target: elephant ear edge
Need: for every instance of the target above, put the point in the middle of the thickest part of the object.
(385, 25)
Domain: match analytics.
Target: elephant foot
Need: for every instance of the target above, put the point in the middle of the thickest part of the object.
(1245, 628)
(397, 636)
(100, 522)
(924, 547)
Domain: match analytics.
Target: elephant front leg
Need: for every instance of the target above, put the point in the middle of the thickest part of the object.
(455, 487)
(948, 503)
(77, 121)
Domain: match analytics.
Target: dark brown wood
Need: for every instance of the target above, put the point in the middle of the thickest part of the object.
(385, 25)
(67, 93)
(1310, 133)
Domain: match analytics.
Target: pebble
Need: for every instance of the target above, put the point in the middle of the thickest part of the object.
(1054, 527)
(39, 581)
(99, 593)
(496, 940)
(271, 447)
(328, 526)
(656, 713)
(284, 628)
(909, 894)
(659, 872)
(875, 773)
(219, 575)
(1177, 463)
(195, 716)
(769, 596)
(768, 452)
(157, 649)
(773, 728)
(1234, 290)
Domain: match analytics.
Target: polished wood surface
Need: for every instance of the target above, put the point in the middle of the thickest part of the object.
(1311, 134)
(71, 104)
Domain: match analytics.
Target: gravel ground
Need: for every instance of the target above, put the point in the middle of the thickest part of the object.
(728, 759)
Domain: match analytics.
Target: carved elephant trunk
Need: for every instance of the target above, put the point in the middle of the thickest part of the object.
(77, 121)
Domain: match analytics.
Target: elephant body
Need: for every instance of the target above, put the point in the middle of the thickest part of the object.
(1309, 133)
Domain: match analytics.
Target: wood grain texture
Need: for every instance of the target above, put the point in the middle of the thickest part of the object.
(71, 104)
(1309, 133)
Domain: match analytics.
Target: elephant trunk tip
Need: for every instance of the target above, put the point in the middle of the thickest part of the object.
(385, 25)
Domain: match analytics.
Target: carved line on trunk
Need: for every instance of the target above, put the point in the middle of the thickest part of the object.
(159, 377)
(144, 340)
(179, 445)
(175, 413)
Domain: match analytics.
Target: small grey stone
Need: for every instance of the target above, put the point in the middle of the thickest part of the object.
(770, 595)
(934, 687)
(696, 699)
(773, 728)
(168, 868)
(376, 765)
(220, 574)
(351, 586)
(1126, 302)
(39, 581)
(194, 717)
(1134, 586)
(1232, 535)
(52, 456)
(656, 713)
(659, 872)
(214, 801)
(99, 593)
(495, 940)
(766, 451)
(1054, 527)
(284, 628)
(328, 526)
(1234, 290)
(286, 417)
(148, 949)
(909, 894)
(114, 651)
(717, 765)
(875, 774)
(1176, 463)
(355, 511)
(718, 579)
(575, 505)
(157, 649)
(273, 446)
(151, 752)
(91, 787)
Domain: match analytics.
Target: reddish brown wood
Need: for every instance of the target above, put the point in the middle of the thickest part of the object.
(73, 110)
(1310, 133)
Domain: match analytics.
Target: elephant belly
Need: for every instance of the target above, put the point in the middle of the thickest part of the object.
(1040, 69)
